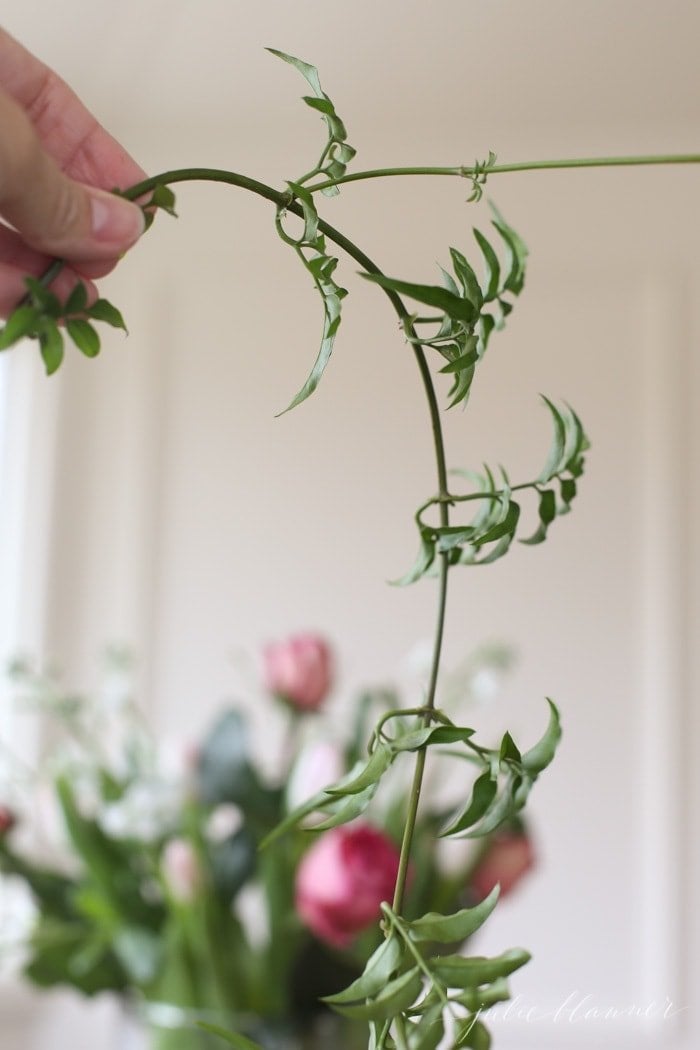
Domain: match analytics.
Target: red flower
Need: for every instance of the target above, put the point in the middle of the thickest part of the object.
(343, 879)
(508, 857)
(299, 671)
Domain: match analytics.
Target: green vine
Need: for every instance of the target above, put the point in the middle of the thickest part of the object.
(409, 987)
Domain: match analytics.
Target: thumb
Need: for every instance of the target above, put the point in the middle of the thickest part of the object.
(53, 213)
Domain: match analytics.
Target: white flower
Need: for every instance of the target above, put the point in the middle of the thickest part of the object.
(224, 821)
(148, 810)
(319, 765)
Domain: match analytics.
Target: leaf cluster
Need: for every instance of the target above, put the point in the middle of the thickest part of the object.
(310, 245)
(42, 316)
(489, 535)
(498, 794)
(409, 981)
(469, 309)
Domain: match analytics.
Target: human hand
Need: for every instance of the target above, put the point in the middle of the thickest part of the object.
(56, 162)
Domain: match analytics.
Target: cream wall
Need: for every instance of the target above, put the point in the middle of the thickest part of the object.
(188, 521)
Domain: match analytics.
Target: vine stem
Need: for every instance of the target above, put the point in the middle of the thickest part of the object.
(469, 171)
(282, 200)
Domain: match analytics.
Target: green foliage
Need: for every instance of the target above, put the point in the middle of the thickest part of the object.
(41, 316)
(469, 309)
(492, 529)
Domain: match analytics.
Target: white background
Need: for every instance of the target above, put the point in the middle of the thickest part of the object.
(182, 518)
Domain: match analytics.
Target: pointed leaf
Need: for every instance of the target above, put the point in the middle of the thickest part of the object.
(456, 971)
(102, 310)
(547, 512)
(375, 767)
(380, 967)
(21, 322)
(467, 278)
(353, 807)
(395, 997)
(493, 269)
(432, 295)
(426, 557)
(51, 344)
(483, 794)
(556, 461)
(447, 929)
(473, 1034)
(84, 336)
(540, 756)
(77, 300)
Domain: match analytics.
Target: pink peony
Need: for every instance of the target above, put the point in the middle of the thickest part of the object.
(508, 857)
(343, 879)
(299, 671)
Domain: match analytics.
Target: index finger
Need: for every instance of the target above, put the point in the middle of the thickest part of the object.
(69, 133)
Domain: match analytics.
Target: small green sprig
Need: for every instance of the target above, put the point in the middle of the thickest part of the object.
(42, 316)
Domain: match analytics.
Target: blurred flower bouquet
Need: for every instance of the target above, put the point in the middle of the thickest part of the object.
(155, 888)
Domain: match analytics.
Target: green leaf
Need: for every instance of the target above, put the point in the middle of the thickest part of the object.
(463, 361)
(467, 278)
(556, 460)
(51, 345)
(77, 300)
(395, 997)
(428, 1032)
(446, 929)
(321, 266)
(232, 1038)
(509, 750)
(454, 306)
(22, 322)
(474, 1034)
(164, 198)
(84, 336)
(102, 310)
(456, 971)
(547, 512)
(502, 808)
(493, 269)
(309, 72)
(540, 756)
(353, 807)
(415, 739)
(505, 527)
(381, 966)
(483, 794)
(374, 768)
(518, 253)
(476, 999)
(426, 557)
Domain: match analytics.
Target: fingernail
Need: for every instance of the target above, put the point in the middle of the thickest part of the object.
(115, 221)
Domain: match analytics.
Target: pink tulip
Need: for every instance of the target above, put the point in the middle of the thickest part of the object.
(342, 881)
(299, 671)
(508, 857)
